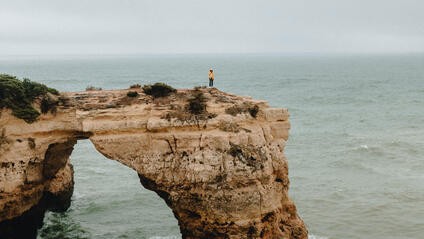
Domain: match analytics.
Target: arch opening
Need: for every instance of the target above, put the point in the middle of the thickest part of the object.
(109, 202)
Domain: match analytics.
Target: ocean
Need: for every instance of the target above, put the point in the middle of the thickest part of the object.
(355, 153)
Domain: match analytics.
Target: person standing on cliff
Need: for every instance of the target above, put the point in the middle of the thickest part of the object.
(211, 78)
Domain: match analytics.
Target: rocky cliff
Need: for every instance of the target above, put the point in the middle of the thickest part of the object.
(222, 172)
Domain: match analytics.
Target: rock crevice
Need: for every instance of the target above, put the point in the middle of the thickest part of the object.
(223, 173)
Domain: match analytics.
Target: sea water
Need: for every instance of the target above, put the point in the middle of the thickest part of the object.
(355, 153)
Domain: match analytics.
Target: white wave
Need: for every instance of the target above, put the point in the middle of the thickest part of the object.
(364, 146)
(77, 195)
(316, 237)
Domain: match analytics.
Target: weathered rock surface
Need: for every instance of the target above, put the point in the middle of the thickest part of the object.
(223, 176)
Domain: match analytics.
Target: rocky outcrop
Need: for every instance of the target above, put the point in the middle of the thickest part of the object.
(223, 172)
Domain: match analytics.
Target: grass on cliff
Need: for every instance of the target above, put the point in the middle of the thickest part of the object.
(19, 95)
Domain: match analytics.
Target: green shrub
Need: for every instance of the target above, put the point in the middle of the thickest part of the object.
(28, 114)
(197, 104)
(158, 90)
(132, 94)
(53, 91)
(35, 89)
(135, 86)
(19, 95)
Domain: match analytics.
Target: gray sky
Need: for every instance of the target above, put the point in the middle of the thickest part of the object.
(219, 26)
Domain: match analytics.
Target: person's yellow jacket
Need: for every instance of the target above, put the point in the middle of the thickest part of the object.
(211, 76)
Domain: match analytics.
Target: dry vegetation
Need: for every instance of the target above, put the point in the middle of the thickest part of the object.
(92, 88)
(194, 110)
(243, 108)
(229, 127)
(135, 86)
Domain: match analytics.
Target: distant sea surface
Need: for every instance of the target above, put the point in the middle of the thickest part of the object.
(356, 150)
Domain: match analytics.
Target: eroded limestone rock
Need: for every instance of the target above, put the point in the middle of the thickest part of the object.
(220, 182)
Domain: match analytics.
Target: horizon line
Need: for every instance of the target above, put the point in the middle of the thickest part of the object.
(211, 54)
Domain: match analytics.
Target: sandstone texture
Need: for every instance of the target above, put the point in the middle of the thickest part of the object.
(223, 174)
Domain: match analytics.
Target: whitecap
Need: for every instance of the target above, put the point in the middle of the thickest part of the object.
(364, 146)
(77, 195)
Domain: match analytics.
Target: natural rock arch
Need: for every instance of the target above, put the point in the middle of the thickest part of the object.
(146, 212)
(223, 177)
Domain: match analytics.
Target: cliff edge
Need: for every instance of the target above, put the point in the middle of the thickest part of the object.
(219, 165)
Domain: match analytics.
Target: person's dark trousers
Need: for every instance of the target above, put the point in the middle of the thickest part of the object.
(210, 82)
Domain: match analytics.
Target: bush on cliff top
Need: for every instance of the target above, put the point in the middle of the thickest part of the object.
(132, 94)
(18, 96)
(134, 86)
(158, 90)
(197, 104)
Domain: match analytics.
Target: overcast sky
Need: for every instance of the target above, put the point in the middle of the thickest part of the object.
(219, 26)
